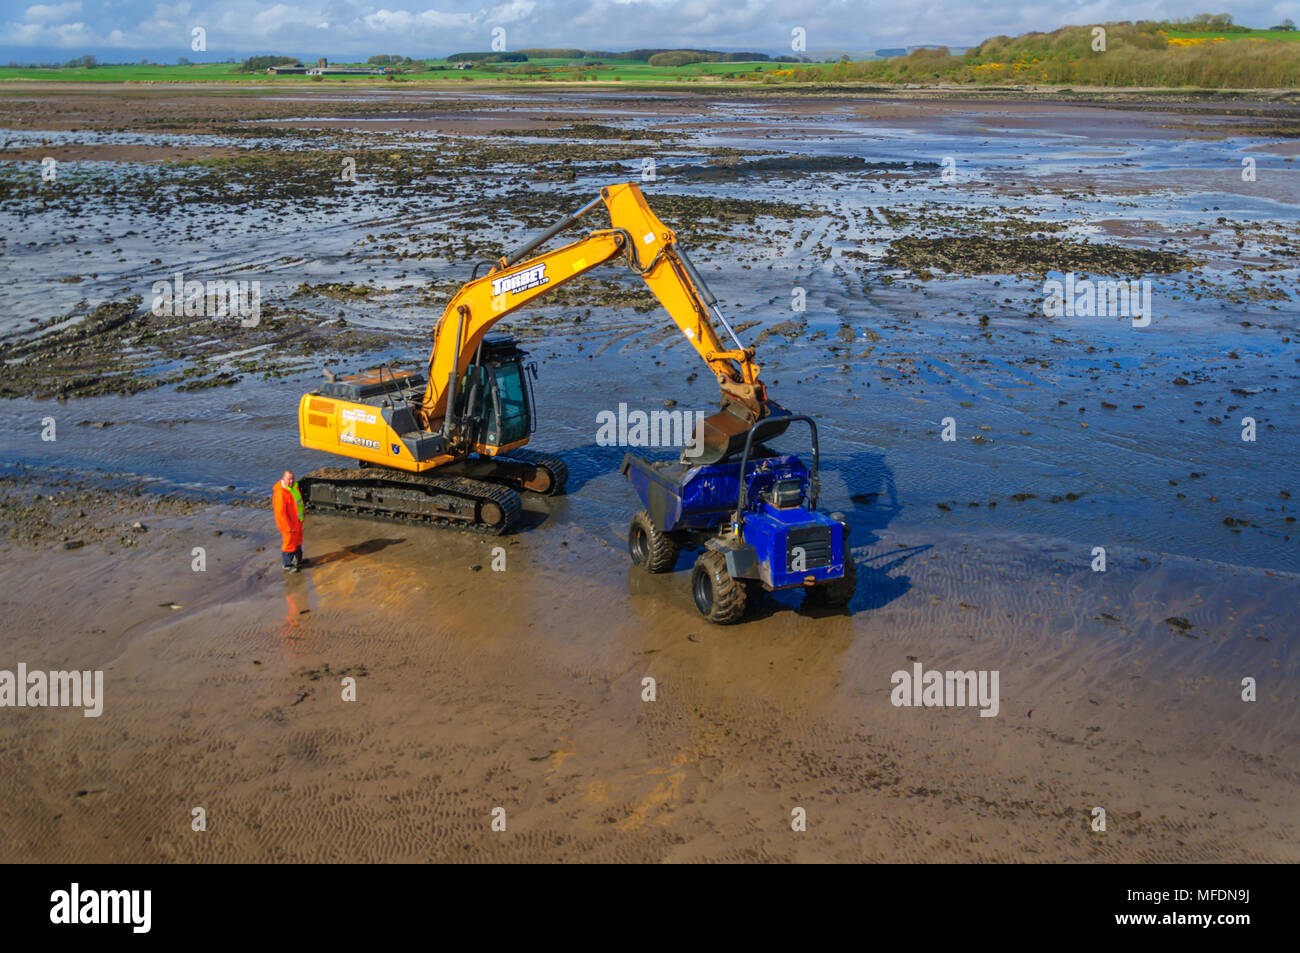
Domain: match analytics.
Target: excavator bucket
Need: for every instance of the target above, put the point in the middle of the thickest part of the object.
(724, 433)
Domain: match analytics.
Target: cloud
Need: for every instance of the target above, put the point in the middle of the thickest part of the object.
(433, 27)
(396, 22)
(35, 34)
(52, 13)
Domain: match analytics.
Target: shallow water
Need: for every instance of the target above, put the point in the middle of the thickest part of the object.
(1031, 390)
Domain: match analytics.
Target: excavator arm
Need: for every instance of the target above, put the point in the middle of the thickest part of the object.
(651, 249)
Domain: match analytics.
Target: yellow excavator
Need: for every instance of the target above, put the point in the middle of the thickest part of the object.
(446, 447)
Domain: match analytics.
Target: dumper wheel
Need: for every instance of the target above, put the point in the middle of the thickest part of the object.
(649, 547)
(838, 592)
(719, 597)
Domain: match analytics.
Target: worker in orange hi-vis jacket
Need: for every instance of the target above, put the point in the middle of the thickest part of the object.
(286, 502)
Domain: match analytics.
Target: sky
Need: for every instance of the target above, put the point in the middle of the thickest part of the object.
(128, 30)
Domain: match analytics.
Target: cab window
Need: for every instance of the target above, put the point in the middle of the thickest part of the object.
(512, 398)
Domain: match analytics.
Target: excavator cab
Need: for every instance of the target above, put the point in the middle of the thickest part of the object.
(495, 396)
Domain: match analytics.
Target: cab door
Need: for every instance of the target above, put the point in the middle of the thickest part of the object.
(508, 418)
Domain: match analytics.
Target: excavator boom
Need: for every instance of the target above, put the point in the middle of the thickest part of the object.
(650, 248)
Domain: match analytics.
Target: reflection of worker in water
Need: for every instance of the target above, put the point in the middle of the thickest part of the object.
(297, 601)
(286, 502)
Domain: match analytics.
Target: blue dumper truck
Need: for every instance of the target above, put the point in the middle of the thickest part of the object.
(755, 519)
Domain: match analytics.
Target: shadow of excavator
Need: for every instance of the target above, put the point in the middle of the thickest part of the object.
(355, 551)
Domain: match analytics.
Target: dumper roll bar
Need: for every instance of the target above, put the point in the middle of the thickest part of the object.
(772, 423)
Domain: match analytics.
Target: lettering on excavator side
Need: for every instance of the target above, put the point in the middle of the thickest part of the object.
(356, 415)
(359, 441)
(521, 280)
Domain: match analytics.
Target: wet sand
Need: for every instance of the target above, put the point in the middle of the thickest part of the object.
(523, 689)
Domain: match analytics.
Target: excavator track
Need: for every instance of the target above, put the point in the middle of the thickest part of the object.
(398, 496)
(521, 470)
(558, 469)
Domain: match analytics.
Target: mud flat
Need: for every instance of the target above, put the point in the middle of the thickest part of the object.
(918, 235)
(479, 689)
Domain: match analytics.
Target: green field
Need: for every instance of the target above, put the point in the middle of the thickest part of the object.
(427, 71)
(200, 73)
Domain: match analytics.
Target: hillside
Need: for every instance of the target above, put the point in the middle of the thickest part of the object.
(1144, 54)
